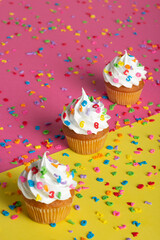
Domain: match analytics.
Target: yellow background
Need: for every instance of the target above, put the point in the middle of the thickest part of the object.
(23, 228)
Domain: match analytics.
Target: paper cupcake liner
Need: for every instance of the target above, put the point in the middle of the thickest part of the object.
(86, 146)
(123, 98)
(48, 215)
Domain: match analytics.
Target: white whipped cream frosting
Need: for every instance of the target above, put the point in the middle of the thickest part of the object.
(124, 71)
(85, 116)
(46, 181)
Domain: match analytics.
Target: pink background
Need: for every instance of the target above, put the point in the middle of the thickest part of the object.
(20, 63)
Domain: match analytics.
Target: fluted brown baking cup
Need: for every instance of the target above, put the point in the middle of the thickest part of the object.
(48, 215)
(123, 98)
(86, 147)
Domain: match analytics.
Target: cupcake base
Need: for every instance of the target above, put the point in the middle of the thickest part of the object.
(123, 95)
(49, 213)
(85, 144)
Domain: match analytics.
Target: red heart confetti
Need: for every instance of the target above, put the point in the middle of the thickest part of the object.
(140, 186)
(135, 234)
(151, 183)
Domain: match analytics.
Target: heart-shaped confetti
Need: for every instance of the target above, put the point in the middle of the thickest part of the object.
(151, 183)
(116, 213)
(140, 186)
(135, 234)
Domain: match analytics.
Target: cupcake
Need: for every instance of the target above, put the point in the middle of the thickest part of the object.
(85, 124)
(124, 79)
(48, 190)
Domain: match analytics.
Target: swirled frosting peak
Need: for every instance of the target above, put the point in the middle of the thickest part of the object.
(124, 71)
(85, 115)
(46, 180)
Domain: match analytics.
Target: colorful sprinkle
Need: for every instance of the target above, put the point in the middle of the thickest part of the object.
(5, 213)
(83, 223)
(13, 217)
(52, 224)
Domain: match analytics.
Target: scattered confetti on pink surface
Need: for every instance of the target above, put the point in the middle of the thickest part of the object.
(49, 50)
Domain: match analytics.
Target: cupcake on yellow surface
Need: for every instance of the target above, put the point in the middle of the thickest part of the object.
(48, 190)
(85, 124)
(124, 79)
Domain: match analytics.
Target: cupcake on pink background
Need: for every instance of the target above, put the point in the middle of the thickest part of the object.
(85, 124)
(124, 79)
